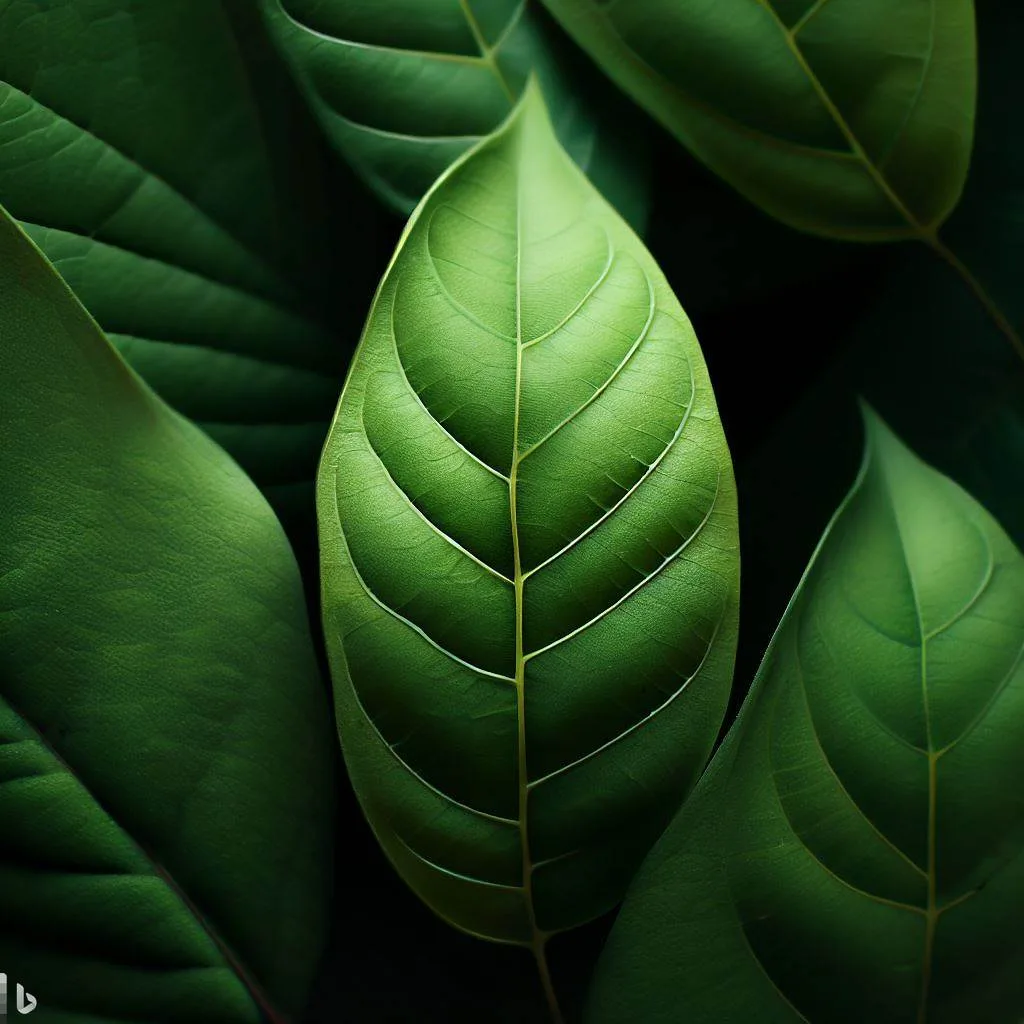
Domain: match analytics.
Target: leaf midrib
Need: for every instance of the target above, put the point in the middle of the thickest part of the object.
(487, 53)
(518, 579)
(539, 937)
(925, 232)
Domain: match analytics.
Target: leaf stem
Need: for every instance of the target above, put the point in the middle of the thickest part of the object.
(541, 956)
(1000, 319)
(932, 912)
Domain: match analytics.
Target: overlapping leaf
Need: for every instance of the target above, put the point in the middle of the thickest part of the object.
(164, 746)
(406, 86)
(849, 118)
(921, 349)
(856, 850)
(140, 151)
(528, 536)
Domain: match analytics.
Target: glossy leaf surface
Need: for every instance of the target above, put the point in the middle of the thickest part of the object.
(856, 850)
(528, 537)
(164, 740)
(848, 118)
(140, 151)
(404, 87)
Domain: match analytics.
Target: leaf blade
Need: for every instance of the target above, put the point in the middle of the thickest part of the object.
(131, 714)
(547, 335)
(828, 116)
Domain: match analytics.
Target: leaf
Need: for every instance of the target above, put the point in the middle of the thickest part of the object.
(856, 849)
(164, 747)
(528, 537)
(847, 118)
(404, 87)
(141, 151)
(922, 351)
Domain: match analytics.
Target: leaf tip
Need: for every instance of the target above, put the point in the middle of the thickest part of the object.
(531, 111)
(878, 435)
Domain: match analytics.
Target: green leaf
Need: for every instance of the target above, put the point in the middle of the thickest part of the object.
(855, 851)
(404, 87)
(165, 752)
(921, 349)
(141, 147)
(848, 118)
(529, 557)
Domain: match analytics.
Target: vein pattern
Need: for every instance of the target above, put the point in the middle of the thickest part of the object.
(153, 235)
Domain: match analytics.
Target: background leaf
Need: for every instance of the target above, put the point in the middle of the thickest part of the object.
(404, 87)
(849, 118)
(856, 850)
(157, 156)
(916, 343)
(528, 548)
(165, 749)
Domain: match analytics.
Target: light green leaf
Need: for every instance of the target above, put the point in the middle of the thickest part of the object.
(529, 552)
(855, 852)
(164, 740)
(141, 147)
(848, 118)
(404, 87)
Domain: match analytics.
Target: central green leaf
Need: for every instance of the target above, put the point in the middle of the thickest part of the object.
(529, 547)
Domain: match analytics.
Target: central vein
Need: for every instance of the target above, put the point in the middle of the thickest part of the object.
(538, 938)
(519, 584)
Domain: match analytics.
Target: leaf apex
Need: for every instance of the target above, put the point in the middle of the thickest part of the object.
(531, 112)
(879, 437)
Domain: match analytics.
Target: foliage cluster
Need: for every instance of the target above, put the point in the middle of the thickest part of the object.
(503, 567)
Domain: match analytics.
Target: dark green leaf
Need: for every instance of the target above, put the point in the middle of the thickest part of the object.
(404, 87)
(920, 348)
(848, 118)
(141, 151)
(164, 740)
(855, 852)
(528, 535)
